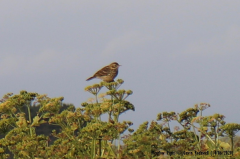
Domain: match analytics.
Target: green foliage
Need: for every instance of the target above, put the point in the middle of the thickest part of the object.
(37, 126)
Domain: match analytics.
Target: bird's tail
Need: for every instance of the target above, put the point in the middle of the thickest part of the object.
(89, 78)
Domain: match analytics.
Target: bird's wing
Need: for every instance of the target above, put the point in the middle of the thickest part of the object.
(103, 72)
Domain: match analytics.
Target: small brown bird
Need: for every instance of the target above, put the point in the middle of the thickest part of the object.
(107, 73)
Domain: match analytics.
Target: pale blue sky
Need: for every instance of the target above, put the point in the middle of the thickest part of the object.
(174, 54)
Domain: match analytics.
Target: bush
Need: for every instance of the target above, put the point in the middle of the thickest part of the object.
(37, 126)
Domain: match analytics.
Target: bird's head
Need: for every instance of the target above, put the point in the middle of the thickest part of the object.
(114, 65)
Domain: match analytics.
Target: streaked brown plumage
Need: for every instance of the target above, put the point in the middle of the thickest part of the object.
(107, 73)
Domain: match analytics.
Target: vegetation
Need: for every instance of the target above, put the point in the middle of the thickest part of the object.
(37, 126)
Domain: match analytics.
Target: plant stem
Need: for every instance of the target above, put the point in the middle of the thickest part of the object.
(100, 146)
(201, 126)
(29, 116)
(94, 148)
(96, 98)
(118, 145)
(231, 143)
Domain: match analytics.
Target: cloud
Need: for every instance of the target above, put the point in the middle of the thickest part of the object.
(129, 39)
(232, 38)
(220, 44)
(43, 62)
(21, 63)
